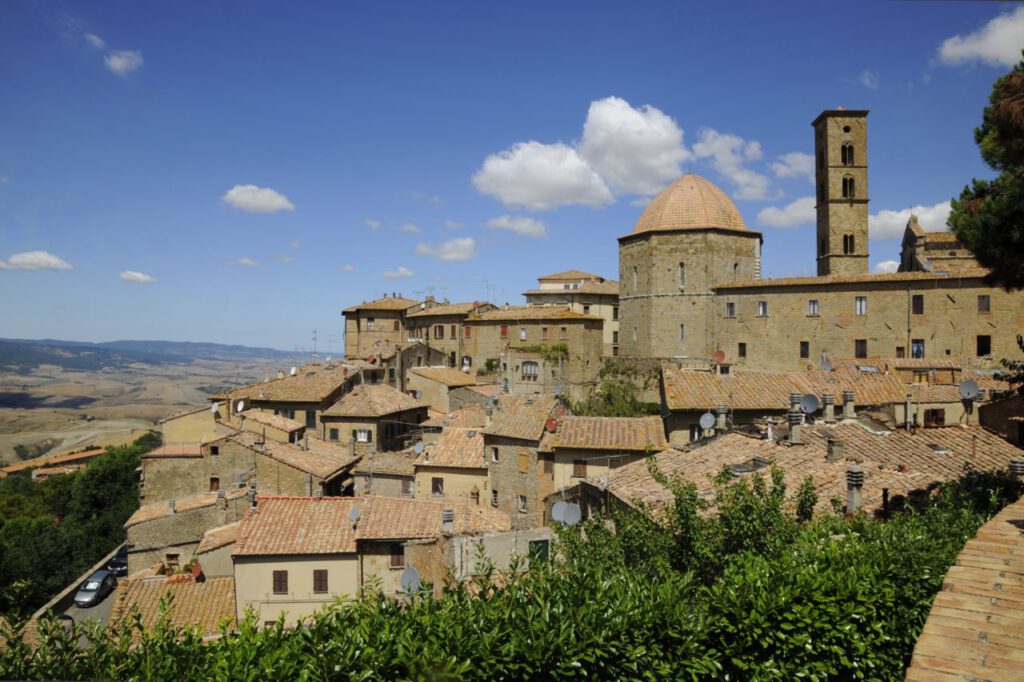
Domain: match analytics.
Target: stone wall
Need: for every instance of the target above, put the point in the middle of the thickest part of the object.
(384, 485)
(518, 472)
(459, 483)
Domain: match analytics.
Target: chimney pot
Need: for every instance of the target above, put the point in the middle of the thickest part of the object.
(170, 506)
(448, 520)
(794, 398)
(1017, 467)
(795, 417)
(723, 411)
(251, 496)
(849, 405)
(829, 400)
(854, 486)
(835, 450)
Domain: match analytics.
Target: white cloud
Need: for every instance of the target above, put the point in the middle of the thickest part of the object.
(539, 176)
(794, 165)
(347, 267)
(527, 227)
(123, 62)
(94, 40)
(798, 212)
(460, 249)
(641, 202)
(887, 224)
(997, 43)
(728, 153)
(288, 260)
(634, 150)
(34, 260)
(452, 224)
(295, 243)
(400, 273)
(887, 266)
(243, 263)
(410, 227)
(869, 79)
(372, 224)
(253, 199)
(137, 277)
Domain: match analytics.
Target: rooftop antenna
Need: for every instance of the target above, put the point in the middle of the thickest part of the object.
(314, 346)
(331, 338)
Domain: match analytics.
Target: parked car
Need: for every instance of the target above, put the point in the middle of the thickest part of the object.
(95, 588)
(119, 564)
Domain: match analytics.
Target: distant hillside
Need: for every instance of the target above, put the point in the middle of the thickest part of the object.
(22, 355)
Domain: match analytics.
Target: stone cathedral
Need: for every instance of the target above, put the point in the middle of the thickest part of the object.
(690, 285)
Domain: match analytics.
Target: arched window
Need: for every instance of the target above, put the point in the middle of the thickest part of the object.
(530, 370)
(634, 333)
(634, 279)
(848, 189)
(682, 333)
(849, 245)
(847, 154)
(682, 275)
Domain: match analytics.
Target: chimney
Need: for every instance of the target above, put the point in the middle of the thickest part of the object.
(795, 417)
(829, 400)
(305, 440)
(720, 425)
(319, 492)
(447, 520)
(768, 434)
(835, 450)
(854, 486)
(849, 403)
(1017, 467)
(222, 500)
(251, 495)
(170, 506)
(280, 374)
(309, 485)
(794, 399)
(907, 407)
(488, 413)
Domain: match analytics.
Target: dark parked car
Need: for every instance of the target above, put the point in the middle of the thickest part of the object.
(95, 588)
(119, 564)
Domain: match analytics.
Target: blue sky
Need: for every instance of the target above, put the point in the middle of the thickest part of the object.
(266, 167)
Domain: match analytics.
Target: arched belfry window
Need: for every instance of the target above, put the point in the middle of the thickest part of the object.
(849, 245)
(634, 278)
(847, 154)
(848, 188)
(682, 275)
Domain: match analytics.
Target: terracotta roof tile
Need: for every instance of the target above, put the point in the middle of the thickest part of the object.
(470, 415)
(309, 525)
(216, 538)
(607, 433)
(273, 420)
(53, 461)
(690, 202)
(458, 447)
(165, 451)
(313, 456)
(449, 376)
(312, 383)
(184, 412)
(372, 400)
(450, 309)
(605, 288)
(523, 416)
(529, 312)
(159, 510)
(571, 275)
(395, 463)
(386, 303)
(971, 273)
(203, 605)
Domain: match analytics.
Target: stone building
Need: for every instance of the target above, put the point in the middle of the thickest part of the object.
(433, 385)
(396, 363)
(584, 293)
(374, 413)
(375, 327)
(302, 395)
(454, 467)
(691, 286)
(387, 474)
(441, 327)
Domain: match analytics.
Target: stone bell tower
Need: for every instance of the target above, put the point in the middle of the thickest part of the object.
(841, 176)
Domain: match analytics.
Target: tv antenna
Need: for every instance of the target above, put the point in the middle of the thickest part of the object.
(314, 346)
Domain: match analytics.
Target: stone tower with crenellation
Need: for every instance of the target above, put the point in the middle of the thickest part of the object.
(841, 175)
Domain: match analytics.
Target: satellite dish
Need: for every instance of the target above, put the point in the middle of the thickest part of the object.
(418, 448)
(353, 515)
(826, 366)
(602, 482)
(573, 514)
(558, 511)
(558, 390)
(293, 371)
(809, 404)
(419, 394)
(239, 406)
(707, 421)
(551, 425)
(214, 407)
(410, 580)
(719, 356)
(969, 390)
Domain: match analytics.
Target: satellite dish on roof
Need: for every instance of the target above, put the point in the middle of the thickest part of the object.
(410, 580)
(353, 515)
(719, 356)
(551, 425)
(969, 390)
(293, 371)
(707, 421)
(826, 366)
(418, 448)
(419, 394)
(239, 406)
(558, 511)
(809, 404)
(573, 514)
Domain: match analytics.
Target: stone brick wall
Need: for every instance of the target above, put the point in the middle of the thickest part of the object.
(839, 215)
(384, 485)
(518, 471)
(459, 483)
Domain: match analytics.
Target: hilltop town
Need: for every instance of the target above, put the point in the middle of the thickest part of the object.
(451, 429)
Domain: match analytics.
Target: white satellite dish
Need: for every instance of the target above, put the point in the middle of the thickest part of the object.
(353, 515)
(239, 406)
(410, 580)
(969, 390)
(418, 448)
(573, 514)
(707, 421)
(419, 394)
(558, 511)
(809, 404)
(328, 359)
(602, 482)
(293, 371)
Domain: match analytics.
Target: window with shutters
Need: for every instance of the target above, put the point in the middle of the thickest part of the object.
(407, 487)
(615, 312)
(860, 305)
(320, 581)
(730, 309)
(579, 468)
(474, 496)
(813, 308)
(901, 351)
(917, 304)
(454, 332)
(438, 331)
(280, 582)
(522, 504)
(522, 333)
(363, 435)
(333, 434)
(549, 464)
(397, 555)
(494, 498)
(762, 308)
(917, 348)
(504, 331)
(370, 322)
(531, 370)
(543, 333)
(467, 332)
(524, 462)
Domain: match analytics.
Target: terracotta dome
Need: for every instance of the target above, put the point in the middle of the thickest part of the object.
(690, 203)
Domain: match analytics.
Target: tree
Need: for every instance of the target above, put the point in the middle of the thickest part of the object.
(1014, 369)
(989, 216)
